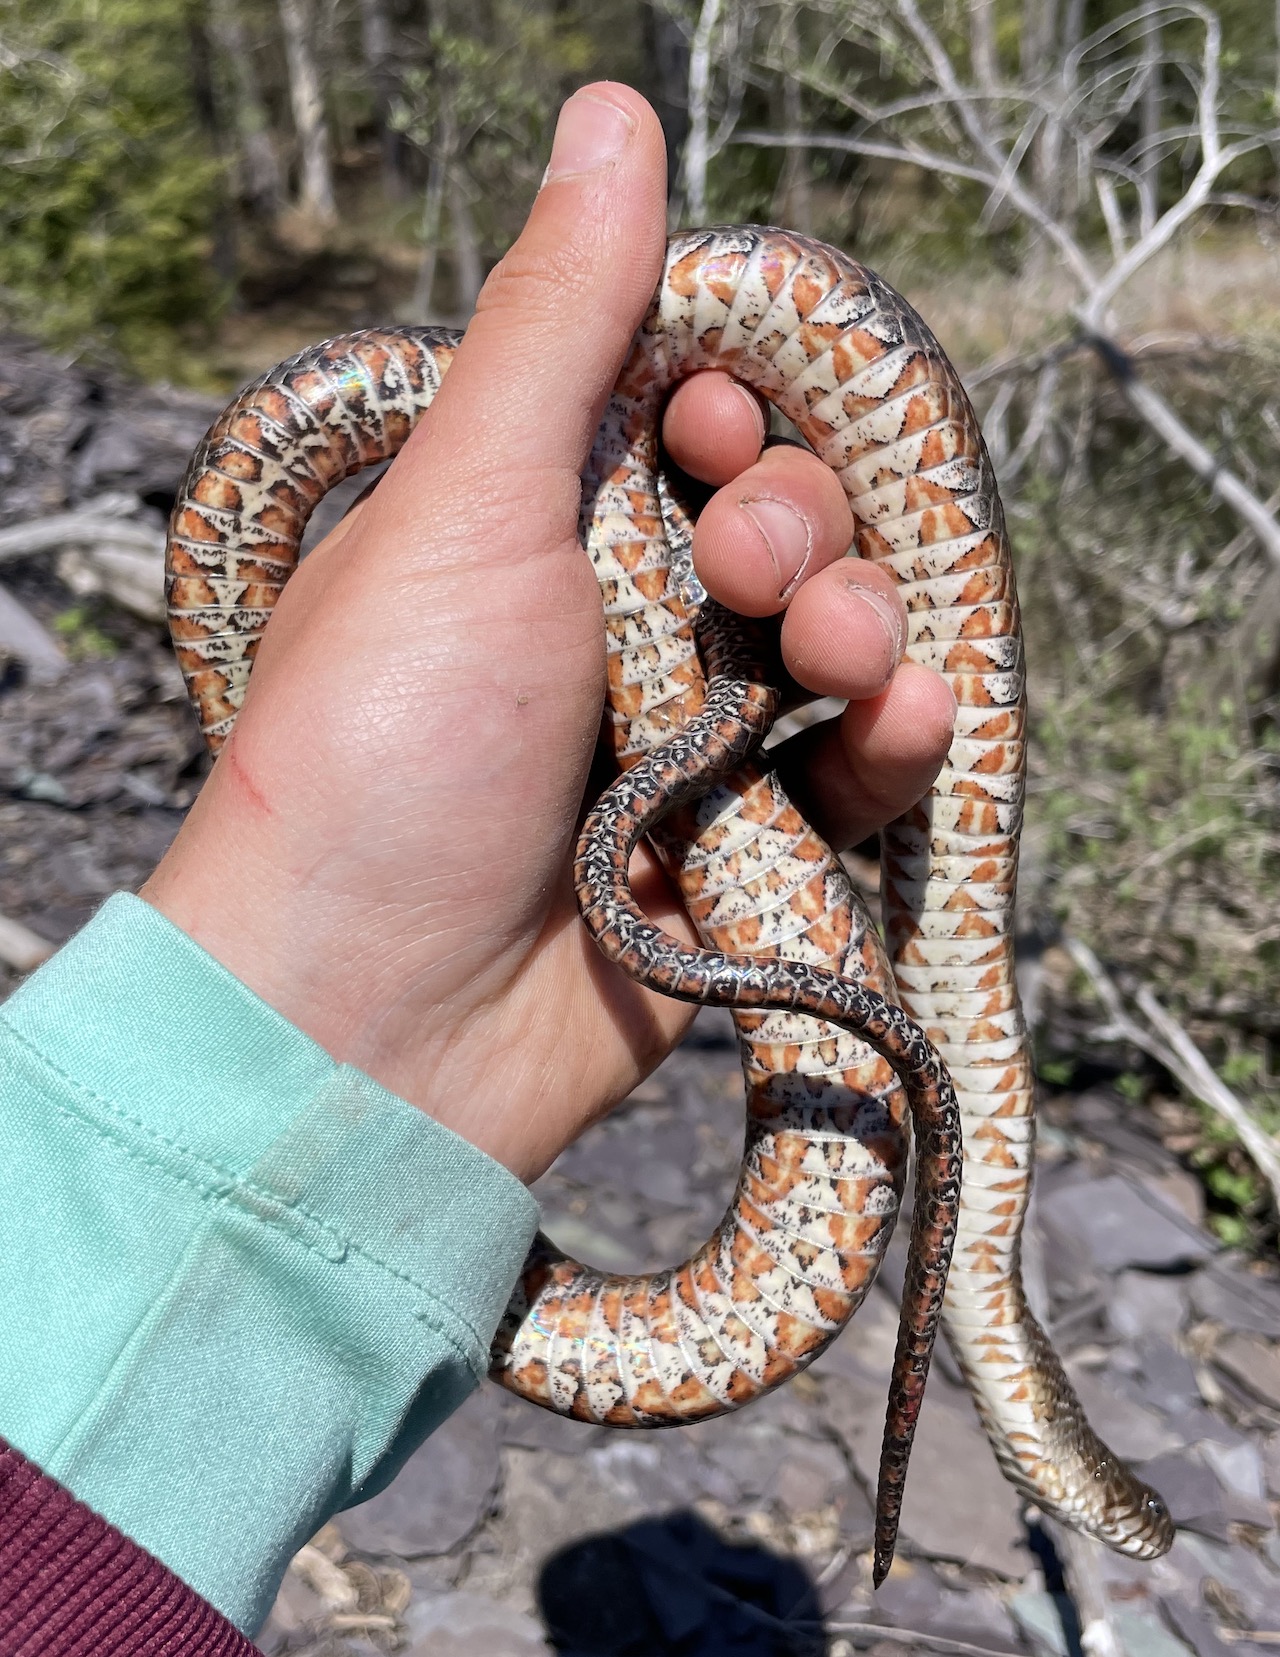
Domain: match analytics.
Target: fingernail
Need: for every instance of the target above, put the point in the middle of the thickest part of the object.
(590, 132)
(889, 617)
(786, 538)
(755, 408)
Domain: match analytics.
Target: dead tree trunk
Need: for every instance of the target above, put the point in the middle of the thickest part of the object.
(262, 181)
(669, 60)
(793, 199)
(697, 147)
(379, 55)
(315, 164)
(468, 265)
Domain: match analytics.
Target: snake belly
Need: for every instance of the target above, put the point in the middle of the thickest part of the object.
(787, 942)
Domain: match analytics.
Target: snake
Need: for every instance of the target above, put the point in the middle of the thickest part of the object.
(852, 1045)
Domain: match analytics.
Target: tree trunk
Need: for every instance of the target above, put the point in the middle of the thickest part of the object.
(668, 55)
(468, 266)
(261, 179)
(1150, 119)
(205, 100)
(793, 200)
(432, 215)
(982, 43)
(379, 55)
(315, 165)
(698, 143)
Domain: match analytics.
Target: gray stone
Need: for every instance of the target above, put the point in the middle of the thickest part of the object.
(1182, 1191)
(750, 1458)
(1253, 1362)
(810, 1476)
(1039, 1616)
(864, 1351)
(441, 1493)
(1194, 1424)
(1145, 1636)
(957, 1505)
(1144, 1306)
(1191, 1491)
(549, 1501)
(536, 1429)
(1165, 1376)
(1253, 1583)
(1271, 1463)
(1231, 1293)
(913, 1596)
(590, 1243)
(1133, 1431)
(461, 1624)
(1115, 1223)
(1238, 1469)
(1198, 1629)
(656, 1472)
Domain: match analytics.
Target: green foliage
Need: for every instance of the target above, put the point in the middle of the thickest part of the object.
(487, 102)
(84, 639)
(109, 186)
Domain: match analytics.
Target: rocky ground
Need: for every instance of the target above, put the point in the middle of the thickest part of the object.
(512, 1532)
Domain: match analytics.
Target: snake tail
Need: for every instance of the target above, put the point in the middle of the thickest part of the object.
(734, 718)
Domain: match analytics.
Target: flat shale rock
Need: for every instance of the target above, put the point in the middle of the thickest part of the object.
(1254, 1362)
(1234, 1294)
(460, 1624)
(441, 1493)
(914, 1596)
(1115, 1224)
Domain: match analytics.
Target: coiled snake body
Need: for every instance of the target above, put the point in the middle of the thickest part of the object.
(832, 1061)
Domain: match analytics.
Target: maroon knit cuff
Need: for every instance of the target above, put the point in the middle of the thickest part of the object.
(71, 1585)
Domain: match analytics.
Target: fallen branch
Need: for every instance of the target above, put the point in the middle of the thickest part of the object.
(1146, 402)
(1172, 1047)
(21, 948)
(21, 635)
(132, 579)
(66, 529)
(871, 1632)
(101, 553)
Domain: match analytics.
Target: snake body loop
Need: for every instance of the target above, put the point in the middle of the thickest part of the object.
(832, 1061)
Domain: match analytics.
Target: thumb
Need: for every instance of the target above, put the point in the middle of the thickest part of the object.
(524, 396)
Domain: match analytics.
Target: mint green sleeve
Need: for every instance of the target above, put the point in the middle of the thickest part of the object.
(240, 1282)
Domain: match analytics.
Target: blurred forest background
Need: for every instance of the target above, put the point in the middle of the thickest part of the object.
(1080, 198)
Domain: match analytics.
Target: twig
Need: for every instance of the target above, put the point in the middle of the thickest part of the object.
(23, 636)
(1196, 1073)
(1180, 843)
(75, 529)
(808, 1627)
(21, 948)
(1159, 415)
(132, 579)
(1176, 1051)
(909, 1636)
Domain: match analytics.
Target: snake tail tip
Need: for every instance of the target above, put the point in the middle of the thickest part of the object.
(882, 1563)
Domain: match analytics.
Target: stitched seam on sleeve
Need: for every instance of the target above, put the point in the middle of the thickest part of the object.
(222, 1184)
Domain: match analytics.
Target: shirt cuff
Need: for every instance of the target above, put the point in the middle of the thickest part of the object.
(249, 1280)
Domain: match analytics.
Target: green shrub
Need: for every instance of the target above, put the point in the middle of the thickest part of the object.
(109, 184)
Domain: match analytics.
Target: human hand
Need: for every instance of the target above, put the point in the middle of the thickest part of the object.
(382, 851)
